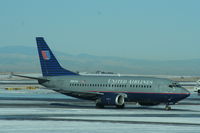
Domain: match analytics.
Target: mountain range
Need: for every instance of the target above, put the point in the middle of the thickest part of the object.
(25, 59)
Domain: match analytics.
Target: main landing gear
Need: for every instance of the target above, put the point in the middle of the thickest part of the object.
(120, 106)
(168, 107)
(99, 105)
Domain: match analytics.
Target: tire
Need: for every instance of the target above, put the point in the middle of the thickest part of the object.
(99, 105)
(120, 106)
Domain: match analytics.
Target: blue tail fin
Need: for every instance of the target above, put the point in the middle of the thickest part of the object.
(49, 64)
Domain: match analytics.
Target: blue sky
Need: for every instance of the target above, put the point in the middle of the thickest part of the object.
(143, 29)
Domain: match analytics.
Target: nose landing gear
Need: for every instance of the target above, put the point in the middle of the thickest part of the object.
(168, 107)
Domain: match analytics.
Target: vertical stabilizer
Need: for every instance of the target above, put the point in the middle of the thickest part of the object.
(49, 64)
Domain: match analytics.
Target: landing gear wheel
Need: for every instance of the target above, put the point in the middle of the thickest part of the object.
(99, 105)
(120, 106)
(167, 107)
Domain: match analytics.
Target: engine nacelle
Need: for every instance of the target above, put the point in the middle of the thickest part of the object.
(112, 99)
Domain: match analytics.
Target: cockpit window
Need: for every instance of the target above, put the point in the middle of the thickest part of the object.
(174, 85)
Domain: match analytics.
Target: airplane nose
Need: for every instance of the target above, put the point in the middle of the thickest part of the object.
(185, 92)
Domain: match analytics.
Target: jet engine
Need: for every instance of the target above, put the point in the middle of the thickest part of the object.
(112, 99)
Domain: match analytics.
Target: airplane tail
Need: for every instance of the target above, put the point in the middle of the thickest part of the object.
(49, 64)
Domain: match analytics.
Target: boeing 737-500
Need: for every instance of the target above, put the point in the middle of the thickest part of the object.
(106, 90)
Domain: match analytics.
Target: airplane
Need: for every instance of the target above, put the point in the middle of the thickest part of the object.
(106, 90)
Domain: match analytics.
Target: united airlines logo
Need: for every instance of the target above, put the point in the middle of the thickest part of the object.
(46, 55)
(121, 81)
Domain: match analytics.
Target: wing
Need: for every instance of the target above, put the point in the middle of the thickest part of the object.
(82, 95)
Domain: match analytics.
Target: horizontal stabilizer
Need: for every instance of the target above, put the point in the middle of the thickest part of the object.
(40, 80)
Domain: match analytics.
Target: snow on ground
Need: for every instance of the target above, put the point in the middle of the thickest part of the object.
(88, 127)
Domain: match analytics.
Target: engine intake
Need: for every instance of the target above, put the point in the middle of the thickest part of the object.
(119, 100)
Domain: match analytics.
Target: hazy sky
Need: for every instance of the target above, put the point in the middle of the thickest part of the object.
(145, 29)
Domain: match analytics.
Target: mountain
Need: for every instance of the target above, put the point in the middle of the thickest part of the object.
(25, 59)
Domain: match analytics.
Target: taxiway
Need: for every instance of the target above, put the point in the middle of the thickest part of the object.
(43, 110)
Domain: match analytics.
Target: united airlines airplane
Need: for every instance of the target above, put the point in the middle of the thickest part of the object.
(106, 90)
